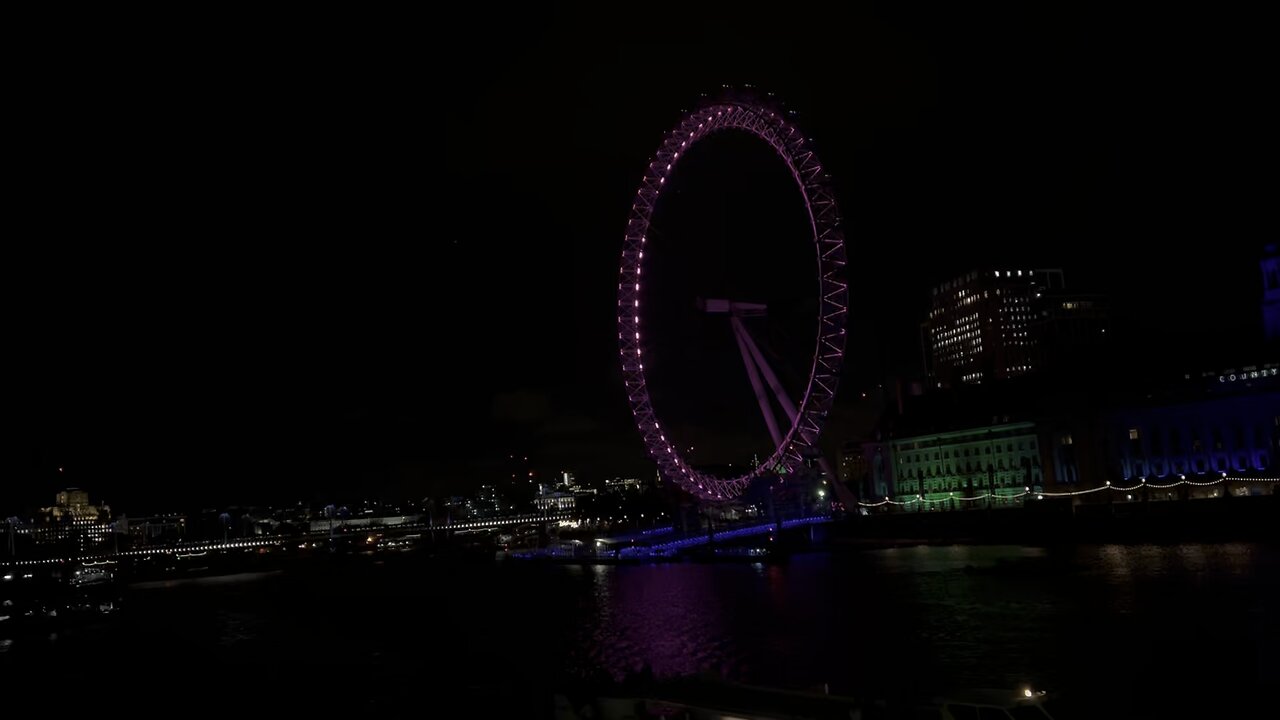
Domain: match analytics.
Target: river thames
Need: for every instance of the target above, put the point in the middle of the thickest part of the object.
(1132, 628)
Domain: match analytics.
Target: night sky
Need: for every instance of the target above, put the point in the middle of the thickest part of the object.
(327, 257)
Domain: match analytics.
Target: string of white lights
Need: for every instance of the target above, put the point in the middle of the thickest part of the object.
(921, 498)
(1108, 486)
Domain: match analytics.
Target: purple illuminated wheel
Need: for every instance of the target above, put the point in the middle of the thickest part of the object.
(800, 440)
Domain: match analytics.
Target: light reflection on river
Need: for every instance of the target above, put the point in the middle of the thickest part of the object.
(929, 619)
(1195, 618)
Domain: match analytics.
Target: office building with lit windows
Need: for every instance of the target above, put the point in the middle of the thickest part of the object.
(996, 324)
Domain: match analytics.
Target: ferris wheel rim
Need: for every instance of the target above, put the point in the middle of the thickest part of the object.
(770, 125)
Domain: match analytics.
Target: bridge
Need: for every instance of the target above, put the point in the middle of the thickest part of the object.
(666, 542)
(668, 547)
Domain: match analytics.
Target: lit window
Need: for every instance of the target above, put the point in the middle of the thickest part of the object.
(1067, 440)
(1133, 434)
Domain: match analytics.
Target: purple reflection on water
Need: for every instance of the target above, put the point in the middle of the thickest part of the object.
(670, 615)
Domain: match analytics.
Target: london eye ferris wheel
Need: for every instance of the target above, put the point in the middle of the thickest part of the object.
(795, 439)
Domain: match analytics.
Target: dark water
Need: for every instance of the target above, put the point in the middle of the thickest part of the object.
(1131, 626)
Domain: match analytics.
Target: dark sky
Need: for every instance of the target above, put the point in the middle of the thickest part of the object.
(309, 257)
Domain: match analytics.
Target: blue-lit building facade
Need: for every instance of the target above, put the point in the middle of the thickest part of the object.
(1230, 427)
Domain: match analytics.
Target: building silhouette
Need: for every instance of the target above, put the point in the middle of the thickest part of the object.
(1271, 293)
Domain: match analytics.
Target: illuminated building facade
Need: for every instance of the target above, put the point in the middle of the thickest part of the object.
(996, 324)
(1233, 430)
(72, 498)
(73, 504)
(555, 501)
(945, 468)
(71, 522)
(80, 534)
